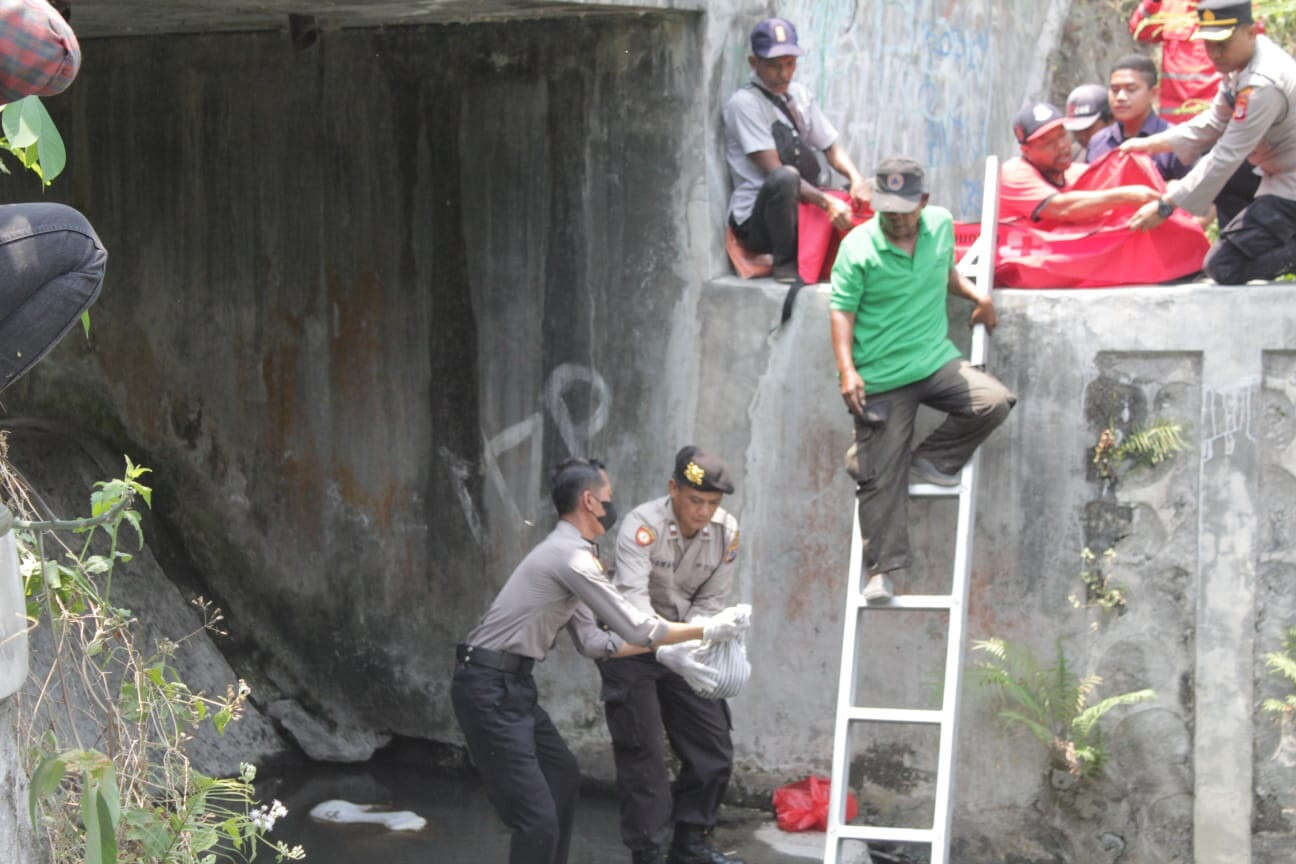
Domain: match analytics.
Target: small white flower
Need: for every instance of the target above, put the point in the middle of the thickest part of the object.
(278, 810)
(247, 772)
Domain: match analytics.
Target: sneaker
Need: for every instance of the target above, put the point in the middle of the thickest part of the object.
(879, 589)
(692, 846)
(923, 471)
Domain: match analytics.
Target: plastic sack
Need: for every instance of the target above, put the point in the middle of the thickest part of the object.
(803, 806)
(730, 660)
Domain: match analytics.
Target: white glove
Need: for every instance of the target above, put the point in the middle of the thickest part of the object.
(679, 659)
(728, 623)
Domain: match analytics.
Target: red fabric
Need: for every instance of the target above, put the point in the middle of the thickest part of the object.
(1103, 252)
(803, 806)
(1188, 78)
(817, 240)
(1022, 187)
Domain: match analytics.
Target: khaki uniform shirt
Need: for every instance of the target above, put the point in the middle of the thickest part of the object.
(1253, 115)
(661, 572)
(560, 583)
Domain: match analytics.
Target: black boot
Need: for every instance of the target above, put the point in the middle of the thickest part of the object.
(693, 846)
(648, 855)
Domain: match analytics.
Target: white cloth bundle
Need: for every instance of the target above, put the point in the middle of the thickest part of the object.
(730, 660)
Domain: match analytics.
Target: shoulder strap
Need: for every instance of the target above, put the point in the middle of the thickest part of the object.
(781, 105)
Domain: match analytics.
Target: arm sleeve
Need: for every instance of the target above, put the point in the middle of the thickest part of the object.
(1194, 137)
(1023, 191)
(589, 638)
(847, 281)
(822, 132)
(633, 565)
(584, 578)
(39, 53)
(748, 124)
(1255, 112)
(714, 593)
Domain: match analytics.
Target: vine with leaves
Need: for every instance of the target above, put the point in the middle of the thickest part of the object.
(107, 726)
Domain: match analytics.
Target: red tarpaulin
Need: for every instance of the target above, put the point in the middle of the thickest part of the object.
(817, 240)
(1102, 252)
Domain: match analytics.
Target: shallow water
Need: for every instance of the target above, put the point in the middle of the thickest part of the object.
(462, 828)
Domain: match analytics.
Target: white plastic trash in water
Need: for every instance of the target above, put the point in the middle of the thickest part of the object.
(347, 813)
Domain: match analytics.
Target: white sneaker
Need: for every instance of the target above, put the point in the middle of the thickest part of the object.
(923, 471)
(879, 589)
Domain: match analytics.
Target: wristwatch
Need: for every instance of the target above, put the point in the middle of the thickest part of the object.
(1164, 208)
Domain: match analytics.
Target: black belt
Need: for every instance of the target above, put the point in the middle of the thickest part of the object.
(503, 661)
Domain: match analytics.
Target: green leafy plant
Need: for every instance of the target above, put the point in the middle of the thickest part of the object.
(1283, 664)
(32, 138)
(1147, 445)
(1100, 590)
(127, 794)
(1052, 703)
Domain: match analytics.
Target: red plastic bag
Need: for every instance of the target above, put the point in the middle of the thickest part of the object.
(1102, 252)
(803, 806)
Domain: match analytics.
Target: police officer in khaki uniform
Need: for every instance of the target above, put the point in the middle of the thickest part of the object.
(530, 776)
(675, 559)
(1253, 117)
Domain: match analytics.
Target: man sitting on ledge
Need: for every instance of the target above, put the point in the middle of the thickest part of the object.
(772, 129)
(1035, 185)
(1251, 117)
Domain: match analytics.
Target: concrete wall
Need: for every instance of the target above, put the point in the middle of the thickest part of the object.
(1198, 775)
(361, 296)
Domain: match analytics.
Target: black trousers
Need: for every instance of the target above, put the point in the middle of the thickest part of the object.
(641, 696)
(1260, 243)
(772, 225)
(530, 776)
(1237, 194)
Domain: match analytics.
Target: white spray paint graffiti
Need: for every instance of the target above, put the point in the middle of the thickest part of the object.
(576, 433)
(1227, 414)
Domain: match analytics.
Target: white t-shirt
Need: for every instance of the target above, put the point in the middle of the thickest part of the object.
(749, 118)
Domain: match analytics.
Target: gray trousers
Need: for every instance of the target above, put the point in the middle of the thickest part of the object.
(976, 403)
(51, 270)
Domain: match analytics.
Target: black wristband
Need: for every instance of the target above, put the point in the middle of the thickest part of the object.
(1164, 208)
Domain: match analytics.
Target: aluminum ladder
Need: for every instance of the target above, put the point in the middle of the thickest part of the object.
(978, 265)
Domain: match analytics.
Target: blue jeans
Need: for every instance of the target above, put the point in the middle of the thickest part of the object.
(51, 270)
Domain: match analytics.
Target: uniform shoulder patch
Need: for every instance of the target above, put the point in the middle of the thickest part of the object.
(732, 552)
(645, 536)
(1240, 106)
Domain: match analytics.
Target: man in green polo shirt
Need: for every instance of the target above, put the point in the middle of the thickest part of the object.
(890, 337)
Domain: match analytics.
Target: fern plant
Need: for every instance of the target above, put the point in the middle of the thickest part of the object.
(1283, 664)
(1147, 445)
(1052, 703)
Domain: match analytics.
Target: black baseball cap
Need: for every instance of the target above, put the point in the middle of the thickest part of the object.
(775, 37)
(1035, 120)
(898, 186)
(1086, 104)
(1216, 19)
(699, 470)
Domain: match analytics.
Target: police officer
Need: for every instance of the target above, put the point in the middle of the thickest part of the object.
(674, 559)
(1252, 117)
(530, 776)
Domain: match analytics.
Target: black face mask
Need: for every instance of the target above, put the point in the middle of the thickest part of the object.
(609, 517)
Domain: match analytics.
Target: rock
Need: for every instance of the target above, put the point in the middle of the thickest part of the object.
(327, 740)
(347, 813)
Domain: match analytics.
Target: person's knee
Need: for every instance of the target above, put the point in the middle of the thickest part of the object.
(1000, 406)
(1225, 264)
(785, 180)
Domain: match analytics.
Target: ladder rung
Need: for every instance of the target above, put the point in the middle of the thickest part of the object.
(885, 835)
(931, 490)
(911, 601)
(895, 715)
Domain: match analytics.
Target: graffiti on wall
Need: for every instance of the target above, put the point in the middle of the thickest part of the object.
(1226, 416)
(521, 506)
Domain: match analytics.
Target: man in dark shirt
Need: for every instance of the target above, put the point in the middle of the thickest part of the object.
(1131, 92)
